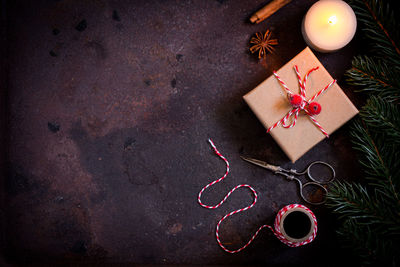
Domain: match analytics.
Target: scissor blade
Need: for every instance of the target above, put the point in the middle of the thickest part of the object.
(261, 163)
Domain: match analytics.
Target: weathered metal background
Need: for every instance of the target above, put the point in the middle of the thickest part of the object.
(109, 107)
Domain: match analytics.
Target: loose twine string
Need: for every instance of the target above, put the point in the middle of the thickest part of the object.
(296, 110)
(275, 230)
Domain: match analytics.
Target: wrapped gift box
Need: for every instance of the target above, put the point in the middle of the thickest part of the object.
(269, 103)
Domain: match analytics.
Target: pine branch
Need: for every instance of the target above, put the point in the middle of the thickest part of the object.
(360, 213)
(352, 201)
(379, 159)
(375, 76)
(382, 116)
(370, 214)
(379, 26)
(370, 247)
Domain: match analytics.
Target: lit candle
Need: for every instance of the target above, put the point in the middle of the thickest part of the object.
(329, 25)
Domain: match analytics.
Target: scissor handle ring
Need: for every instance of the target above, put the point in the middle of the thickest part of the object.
(321, 182)
(317, 185)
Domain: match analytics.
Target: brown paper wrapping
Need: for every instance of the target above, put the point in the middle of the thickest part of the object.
(269, 103)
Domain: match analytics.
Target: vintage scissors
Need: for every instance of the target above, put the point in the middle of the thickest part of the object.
(290, 175)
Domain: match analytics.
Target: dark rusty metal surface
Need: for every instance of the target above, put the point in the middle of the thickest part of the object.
(109, 107)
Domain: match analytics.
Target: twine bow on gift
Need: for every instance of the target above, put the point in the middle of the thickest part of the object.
(300, 103)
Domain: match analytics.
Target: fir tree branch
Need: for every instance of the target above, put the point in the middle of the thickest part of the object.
(382, 116)
(371, 247)
(370, 214)
(379, 166)
(352, 201)
(379, 26)
(374, 76)
(361, 212)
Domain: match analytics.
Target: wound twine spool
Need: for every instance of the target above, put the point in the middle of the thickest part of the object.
(295, 225)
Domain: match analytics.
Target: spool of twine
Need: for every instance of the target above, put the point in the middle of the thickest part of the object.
(295, 225)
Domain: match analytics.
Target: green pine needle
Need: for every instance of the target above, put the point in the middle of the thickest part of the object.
(370, 213)
(379, 159)
(383, 116)
(353, 201)
(369, 227)
(379, 26)
(375, 76)
(368, 245)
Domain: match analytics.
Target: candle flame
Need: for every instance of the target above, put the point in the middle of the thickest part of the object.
(332, 20)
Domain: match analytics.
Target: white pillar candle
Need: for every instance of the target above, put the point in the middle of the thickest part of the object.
(329, 25)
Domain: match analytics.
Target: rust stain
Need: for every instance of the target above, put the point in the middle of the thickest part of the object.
(174, 229)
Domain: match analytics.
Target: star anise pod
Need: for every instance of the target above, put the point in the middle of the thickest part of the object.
(262, 43)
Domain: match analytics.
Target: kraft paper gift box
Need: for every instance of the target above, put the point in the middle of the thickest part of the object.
(270, 103)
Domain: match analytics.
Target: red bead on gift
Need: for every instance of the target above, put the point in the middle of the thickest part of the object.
(314, 108)
(295, 100)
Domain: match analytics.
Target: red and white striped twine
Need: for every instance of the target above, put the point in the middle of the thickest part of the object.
(275, 230)
(279, 234)
(296, 110)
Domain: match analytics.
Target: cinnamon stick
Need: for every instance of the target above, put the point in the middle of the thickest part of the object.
(268, 10)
